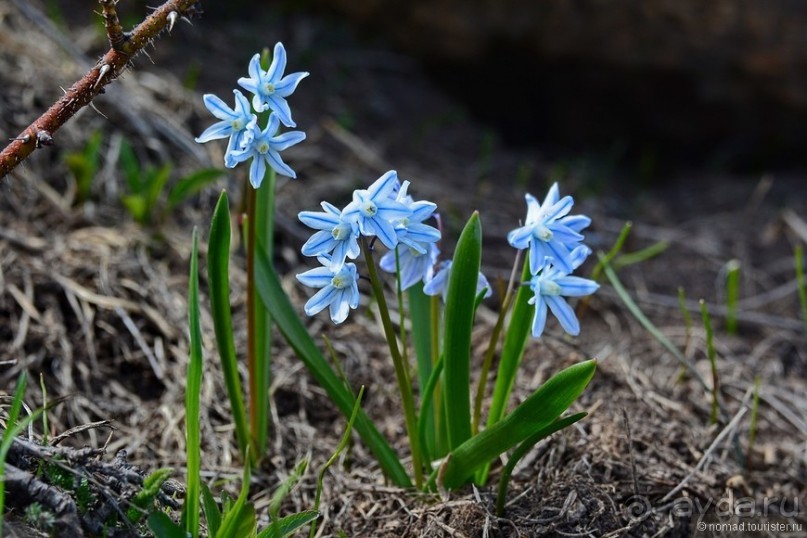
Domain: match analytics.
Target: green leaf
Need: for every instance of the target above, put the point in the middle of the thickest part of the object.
(191, 184)
(135, 204)
(295, 333)
(459, 318)
(162, 526)
(156, 182)
(144, 498)
(212, 512)
(131, 168)
(218, 273)
(289, 524)
(537, 412)
(192, 396)
(240, 519)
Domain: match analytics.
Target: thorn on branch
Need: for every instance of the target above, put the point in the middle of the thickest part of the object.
(102, 71)
(172, 19)
(43, 138)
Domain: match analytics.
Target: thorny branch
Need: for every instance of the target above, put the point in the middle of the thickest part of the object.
(124, 47)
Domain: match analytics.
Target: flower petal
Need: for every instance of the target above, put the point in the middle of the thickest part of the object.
(383, 230)
(286, 140)
(218, 108)
(254, 69)
(321, 242)
(278, 65)
(318, 220)
(320, 300)
(539, 320)
(277, 163)
(288, 84)
(340, 307)
(575, 286)
(281, 108)
(318, 277)
(564, 313)
(383, 186)
(220, 129)
(257, 171)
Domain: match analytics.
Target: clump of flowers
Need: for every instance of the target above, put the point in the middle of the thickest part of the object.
(555, 250)
(253, 132)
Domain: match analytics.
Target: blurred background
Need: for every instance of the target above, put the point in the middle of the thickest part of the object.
(652, 86)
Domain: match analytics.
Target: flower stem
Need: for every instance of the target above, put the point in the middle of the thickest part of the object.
(401, 368)
(260, 214)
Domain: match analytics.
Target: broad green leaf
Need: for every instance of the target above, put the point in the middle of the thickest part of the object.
(212, 512)
(458, 324)
(193, 390)
(162, 526)
(131, 168)
(289, 524)
(191, 184)
(218, 274)
(538, 411)
(420, 312)
(295, 333)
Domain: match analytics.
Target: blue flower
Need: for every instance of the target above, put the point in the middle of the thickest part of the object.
(549, 231)
(374, 211)
(438, 285)
(339, 289)
(415, 265)
(336, 236)
(270, 87)
(551, 284)
(265, 147)
(410, 229)
(235, 123)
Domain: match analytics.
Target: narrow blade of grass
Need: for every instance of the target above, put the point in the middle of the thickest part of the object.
(212, 512)
(634, 309)
(732, 295)
(297, 336)
(218, 272)
(710, 352)
(193, 387)
(289, 524)
(459, 317)
(800, 283)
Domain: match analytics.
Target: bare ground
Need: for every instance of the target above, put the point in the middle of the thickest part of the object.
(97, 304)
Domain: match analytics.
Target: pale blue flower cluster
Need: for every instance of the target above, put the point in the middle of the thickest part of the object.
(384, 210)
(240, 125)
(556, 249)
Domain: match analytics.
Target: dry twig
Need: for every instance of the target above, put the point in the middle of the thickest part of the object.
(124, 47)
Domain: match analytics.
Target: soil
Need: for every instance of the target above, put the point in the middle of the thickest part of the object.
(96, 303)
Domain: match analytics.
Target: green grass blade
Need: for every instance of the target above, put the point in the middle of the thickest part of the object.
(157, 181)
(459, 318)
(289, 524)
(295, 333)
(648, 325)
(521, 451)
(218, 271)
(537, 412)
(191, 184)
(798, 256)
(623, 260)
(13, 429)
(710, 352)
(193, 390)
(615, 250)
(339, 449)
(732, 294)
(212, 512)
(240, 519)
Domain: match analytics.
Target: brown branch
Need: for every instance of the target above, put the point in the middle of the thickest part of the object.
(40, 132)
(114, 30)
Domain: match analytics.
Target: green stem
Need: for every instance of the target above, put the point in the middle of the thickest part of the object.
(401, 370)
(260, 214)
(494, 339)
